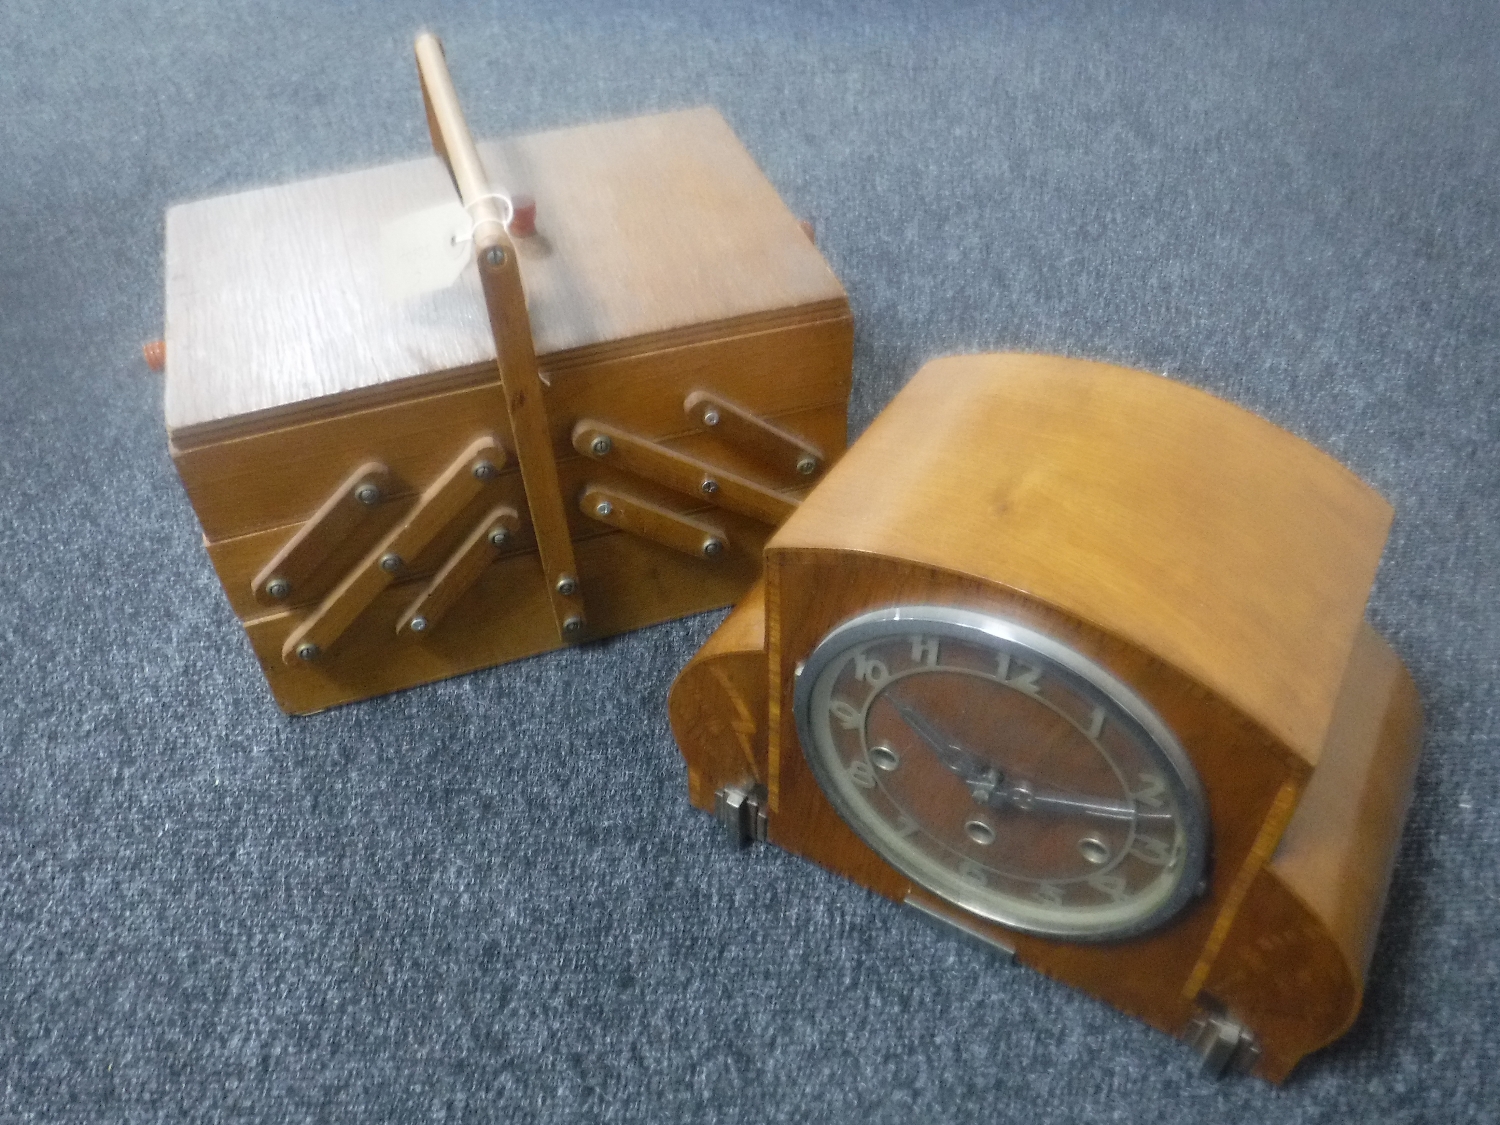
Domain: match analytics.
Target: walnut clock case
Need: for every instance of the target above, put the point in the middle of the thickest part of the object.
(595, 428)
(1074, 658)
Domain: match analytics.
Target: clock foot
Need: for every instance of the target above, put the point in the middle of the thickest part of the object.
(1223, 1043)
(741, 809)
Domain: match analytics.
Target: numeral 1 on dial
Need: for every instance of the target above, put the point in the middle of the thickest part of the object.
(1096, 723)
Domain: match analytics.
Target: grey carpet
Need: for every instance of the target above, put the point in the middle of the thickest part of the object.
(488, 900)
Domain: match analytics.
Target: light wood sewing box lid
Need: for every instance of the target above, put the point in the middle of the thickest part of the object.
(651, 232)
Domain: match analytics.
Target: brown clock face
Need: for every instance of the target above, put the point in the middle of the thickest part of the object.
(1004, 772)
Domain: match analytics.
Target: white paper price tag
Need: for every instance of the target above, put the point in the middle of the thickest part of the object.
(425, 251)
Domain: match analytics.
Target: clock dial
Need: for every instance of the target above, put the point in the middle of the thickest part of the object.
(1003, 771)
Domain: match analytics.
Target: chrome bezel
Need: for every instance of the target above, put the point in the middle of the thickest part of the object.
(1083, 675)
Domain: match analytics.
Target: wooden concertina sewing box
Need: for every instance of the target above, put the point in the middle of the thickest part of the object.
(594, 429)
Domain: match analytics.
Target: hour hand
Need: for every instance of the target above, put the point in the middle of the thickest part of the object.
(986, 787)
(968, 766)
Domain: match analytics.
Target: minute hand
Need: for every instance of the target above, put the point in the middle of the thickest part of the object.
(985, 781)
(1022, 796)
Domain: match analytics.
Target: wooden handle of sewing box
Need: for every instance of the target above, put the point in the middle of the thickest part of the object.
(515, 352)
(450, 135)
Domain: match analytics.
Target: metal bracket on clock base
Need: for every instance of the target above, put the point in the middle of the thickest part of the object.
(741, 809)
(949, 925)
(1223, 1043)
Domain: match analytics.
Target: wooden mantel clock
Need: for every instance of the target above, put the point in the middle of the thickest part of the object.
(1074, 658)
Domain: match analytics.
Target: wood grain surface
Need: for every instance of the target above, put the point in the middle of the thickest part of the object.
(663, 265)
(505, 615)
(679, 471)
(648, 230)
(482, 546)
(279, 477)
(239, 558)
(617, 507)
(1201, 532)
(459, 486)
(748, 430)
(1340, 847)
(717, 705)
(526, 407)
(1294, 963)
(1217, 565)
(350, 509)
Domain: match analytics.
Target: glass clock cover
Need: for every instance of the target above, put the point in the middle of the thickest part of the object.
(1003, 771)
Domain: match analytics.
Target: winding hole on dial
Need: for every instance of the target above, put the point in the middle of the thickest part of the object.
(1095, 850)
(980, 832)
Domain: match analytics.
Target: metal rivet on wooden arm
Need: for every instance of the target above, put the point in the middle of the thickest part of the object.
(617, 508)
(680, 472)
(747, 431)
(465, 477)
(351, 505)
(463, 568)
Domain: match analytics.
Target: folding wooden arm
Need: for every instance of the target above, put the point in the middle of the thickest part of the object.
(680, 472)
(618, 508)
(463, 568)
(752, 433)
(340, 517)
(465, 477)
(515, 353)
